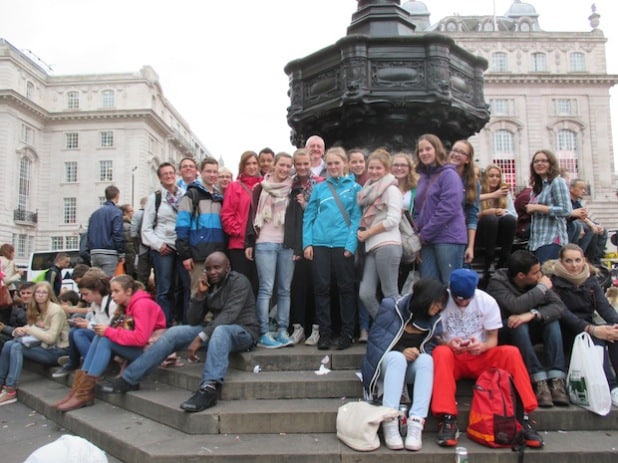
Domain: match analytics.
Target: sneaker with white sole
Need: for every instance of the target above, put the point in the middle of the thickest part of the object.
(8, 396)
(414, 439)
(61, 372)
(267, 341)
(615, 397)
(283, 339)
(392, 438)
(315, 336)
(298, 335)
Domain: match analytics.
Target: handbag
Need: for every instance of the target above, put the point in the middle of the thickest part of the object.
(410, 242)
(586, 381)
(119, 269)
(358, 423)
(6, 300)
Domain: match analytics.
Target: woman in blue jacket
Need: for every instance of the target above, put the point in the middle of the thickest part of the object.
(401, 340)
(329, 239)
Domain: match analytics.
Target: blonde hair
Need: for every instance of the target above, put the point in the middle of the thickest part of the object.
(34, 311)
(340, 152)
(488, 203)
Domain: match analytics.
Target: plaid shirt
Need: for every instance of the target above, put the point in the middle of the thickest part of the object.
(550, 228)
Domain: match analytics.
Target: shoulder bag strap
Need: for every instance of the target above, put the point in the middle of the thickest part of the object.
(344, 213)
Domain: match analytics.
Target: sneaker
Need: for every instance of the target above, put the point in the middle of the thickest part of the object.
(63, 360)
(343, 342)
(543, 396)
(119, 386)
(284, 340)
(531, 437)
(558, 391)
(8, 396)
(414, 439)
(324, 342)
(315, 336)
(298, 335)
(615, 397)
(204, 398)
(267, 341)
(60, 373)
(392, 438)
(448, 432)
(364, 336)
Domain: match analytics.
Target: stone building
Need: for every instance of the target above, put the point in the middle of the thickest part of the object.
(545, 89)
(64, 139)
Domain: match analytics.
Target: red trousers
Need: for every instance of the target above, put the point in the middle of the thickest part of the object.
(449, 367)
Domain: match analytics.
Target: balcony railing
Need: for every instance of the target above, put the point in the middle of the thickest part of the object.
(26, 217)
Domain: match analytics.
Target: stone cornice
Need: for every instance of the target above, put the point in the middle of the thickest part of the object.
(559, 79)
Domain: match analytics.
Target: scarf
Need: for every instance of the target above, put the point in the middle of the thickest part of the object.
(273, 202)
(370, 198)
(575, 279)
(248, 180)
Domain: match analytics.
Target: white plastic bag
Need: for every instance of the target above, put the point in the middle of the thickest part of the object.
(586, 380)
(358, 423)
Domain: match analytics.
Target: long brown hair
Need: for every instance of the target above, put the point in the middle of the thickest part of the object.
(489, 203)
(33, 311)
(244, 157)
(433, 140)
(554, 170)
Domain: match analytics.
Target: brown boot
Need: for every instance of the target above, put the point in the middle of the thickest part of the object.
(543, 396)
(79, 374)
(558, 392)
(84, 395)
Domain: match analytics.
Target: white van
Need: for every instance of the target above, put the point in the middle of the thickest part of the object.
(42, 260)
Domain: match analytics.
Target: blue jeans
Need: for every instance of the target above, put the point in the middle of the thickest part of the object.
(528, 334)
(79, 343)
(274, 262)
(547, 252)
(381, 266)
(175, 338)
(168, 271)
(439, 260)
(224, 340)
(398, 372)
(106, 262)
(100, 353)
(12, 360)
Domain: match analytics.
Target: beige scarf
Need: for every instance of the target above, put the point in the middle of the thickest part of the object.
(577, 279)
(274, 199)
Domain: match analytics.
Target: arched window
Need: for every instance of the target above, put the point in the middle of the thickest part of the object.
(539, 62)
(566, 151)
(504, 142)
(499, 62)
(566, 140)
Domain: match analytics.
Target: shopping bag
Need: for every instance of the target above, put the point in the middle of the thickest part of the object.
(6, 300)
(586, 381)
(358, 423)
(119, 269)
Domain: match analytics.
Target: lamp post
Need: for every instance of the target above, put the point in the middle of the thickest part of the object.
(133, 185)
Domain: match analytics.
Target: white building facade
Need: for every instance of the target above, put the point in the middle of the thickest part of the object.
(64, 139)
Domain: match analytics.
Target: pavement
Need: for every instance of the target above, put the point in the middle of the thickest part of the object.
(24, 430)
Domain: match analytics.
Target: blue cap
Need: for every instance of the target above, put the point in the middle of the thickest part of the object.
(463, 283)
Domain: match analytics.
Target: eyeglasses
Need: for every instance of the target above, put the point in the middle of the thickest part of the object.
(540, 161)
(460, 152)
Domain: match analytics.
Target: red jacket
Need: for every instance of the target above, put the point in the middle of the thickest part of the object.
(235, 213)
(147, 317)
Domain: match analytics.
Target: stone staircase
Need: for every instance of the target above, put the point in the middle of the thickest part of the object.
(284, 413)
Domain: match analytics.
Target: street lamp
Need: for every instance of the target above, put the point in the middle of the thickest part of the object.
(133, 185)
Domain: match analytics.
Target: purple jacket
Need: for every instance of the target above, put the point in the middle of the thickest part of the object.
(438, 214)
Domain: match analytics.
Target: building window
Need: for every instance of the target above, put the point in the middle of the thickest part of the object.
(22, 245)
(503, 142)
(70, 169)
(109, 99)
(70, 210)
(29, 90)
(57, 243)
(105, 171)
(565, 107)
(577, 62)
(25, 175)
(27, 134)
(102, 200)
(566, 140)
(107, 139)
(569, 165)
(499, 62)
(508, 172)
(72, 242)
(72, 140)
(502, 107)
(539, 62)
(73, 100)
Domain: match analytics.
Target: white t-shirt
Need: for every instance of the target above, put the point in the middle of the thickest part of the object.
(481, 315)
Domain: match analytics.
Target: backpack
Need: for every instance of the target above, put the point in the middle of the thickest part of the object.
(497, 412)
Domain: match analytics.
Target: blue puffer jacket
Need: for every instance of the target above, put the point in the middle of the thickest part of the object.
(385, 332)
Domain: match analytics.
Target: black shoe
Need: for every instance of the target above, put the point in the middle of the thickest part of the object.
(324, 342)
(531, 437)
(119, 386)
(448, 432)
(204, 398)
(343, 342)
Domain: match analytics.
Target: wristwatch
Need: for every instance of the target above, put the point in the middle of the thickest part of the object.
(536, 313)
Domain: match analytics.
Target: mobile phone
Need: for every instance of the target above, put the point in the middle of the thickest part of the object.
(464, 343)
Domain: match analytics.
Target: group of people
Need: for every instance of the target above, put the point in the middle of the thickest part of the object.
(301, 223)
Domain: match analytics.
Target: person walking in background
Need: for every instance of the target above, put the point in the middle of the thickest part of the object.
(105, 235)
(129, 246)
(11, 274)
(144, 263)
(438, 215)
(54, 274)
(329, 240)
(549, 206)
(235, 214)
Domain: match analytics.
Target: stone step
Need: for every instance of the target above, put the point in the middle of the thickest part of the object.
(136, 439)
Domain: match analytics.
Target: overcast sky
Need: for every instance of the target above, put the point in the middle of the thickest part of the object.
(220, 63)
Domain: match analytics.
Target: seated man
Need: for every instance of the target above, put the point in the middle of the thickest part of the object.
(469, 346)
(532, 312)
(228, 296)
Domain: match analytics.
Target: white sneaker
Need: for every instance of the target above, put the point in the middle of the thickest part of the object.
(298, 335)
(414, 440)
(392, 438)
(315, 336)
(364, 336)
(615, 397)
